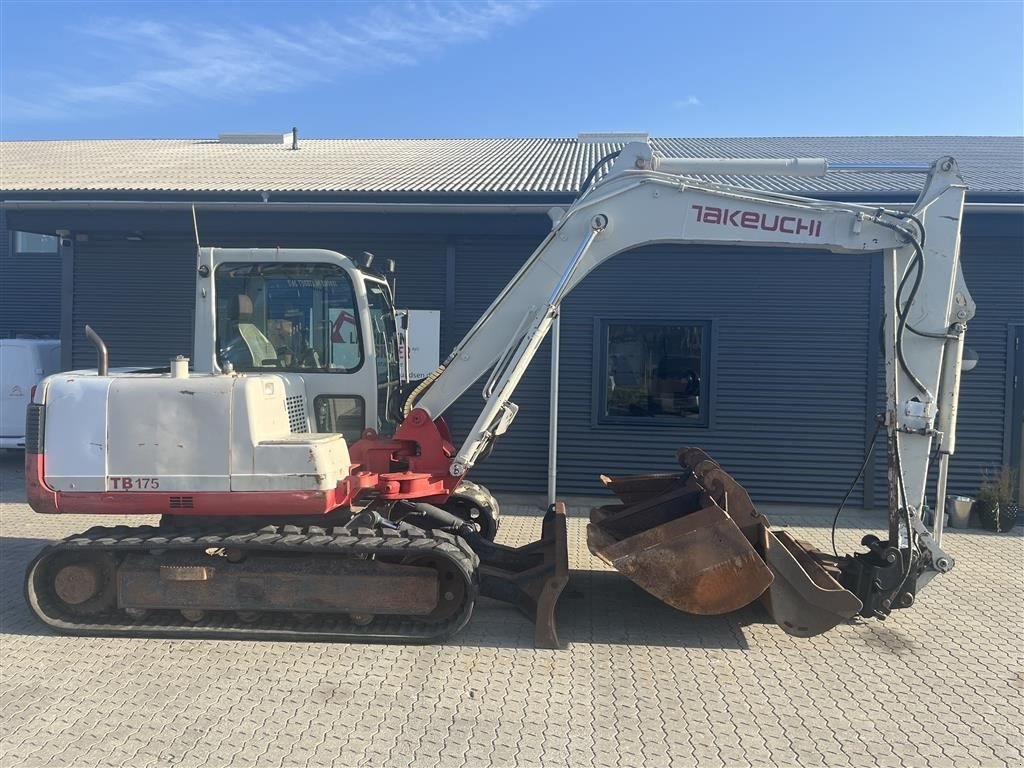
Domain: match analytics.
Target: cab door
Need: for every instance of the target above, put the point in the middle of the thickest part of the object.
(387, 352)
(369, 329)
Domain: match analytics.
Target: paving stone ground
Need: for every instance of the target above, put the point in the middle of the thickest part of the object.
(637, 684)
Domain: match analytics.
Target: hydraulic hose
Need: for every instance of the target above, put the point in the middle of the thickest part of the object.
(410, 401)
(597, 169)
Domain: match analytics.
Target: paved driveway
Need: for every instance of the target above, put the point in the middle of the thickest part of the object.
(638, 684)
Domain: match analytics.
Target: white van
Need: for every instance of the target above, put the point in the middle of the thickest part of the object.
(23, 364)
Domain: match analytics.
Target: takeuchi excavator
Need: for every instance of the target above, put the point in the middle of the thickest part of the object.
(306, 491)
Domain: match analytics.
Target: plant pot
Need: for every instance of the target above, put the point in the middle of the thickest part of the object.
(996, 517)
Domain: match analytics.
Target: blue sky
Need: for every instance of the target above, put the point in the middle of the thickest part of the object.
(409, 69)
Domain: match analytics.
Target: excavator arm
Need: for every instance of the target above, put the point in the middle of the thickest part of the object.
(646, 199)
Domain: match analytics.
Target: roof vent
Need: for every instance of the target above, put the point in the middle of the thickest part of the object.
(611, 137)
(280, 139)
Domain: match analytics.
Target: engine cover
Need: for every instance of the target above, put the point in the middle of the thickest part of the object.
(199, 434)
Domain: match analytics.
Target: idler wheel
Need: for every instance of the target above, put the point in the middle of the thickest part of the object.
(76, 583)
(477, 506)
(83, 582)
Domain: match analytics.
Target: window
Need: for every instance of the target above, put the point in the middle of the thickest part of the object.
(30, 242)
(287, 316)
(343, 414)
(653, 370)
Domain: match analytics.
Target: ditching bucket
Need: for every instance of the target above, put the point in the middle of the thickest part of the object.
(804, 599)
(695, 541)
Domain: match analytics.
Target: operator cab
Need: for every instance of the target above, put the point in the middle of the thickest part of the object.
(312, 316)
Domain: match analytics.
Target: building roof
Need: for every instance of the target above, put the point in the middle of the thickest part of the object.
(990, 164)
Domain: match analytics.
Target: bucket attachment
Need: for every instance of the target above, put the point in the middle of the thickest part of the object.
(680, 546)
(695, 541)
(804, 599)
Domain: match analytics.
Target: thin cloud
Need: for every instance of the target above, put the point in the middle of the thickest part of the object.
(689, 101)
(172, 61)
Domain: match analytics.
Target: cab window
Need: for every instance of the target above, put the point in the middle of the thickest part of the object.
(282, 316)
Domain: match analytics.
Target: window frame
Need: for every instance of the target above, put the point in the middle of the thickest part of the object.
(385, 425)
(357, 309)
(599, 389)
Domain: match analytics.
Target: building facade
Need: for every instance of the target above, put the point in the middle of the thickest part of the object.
(784, 344)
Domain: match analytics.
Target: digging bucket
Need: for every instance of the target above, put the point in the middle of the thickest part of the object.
(678, 544)
(695, 541)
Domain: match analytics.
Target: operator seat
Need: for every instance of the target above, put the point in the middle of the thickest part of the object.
(259, 345)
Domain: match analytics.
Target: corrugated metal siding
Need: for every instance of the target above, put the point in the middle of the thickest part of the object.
(789, 381)
(788, 388)
(994, 271)
(419, 260)
(138, 296)
(790, 373)
(29, 289)
(789, 376)
(483, 265)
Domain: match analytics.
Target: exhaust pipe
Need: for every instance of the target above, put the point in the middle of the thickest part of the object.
(102, 358)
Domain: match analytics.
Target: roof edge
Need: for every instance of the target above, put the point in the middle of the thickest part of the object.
(520, 208)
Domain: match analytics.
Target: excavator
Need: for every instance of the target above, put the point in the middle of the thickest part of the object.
(306, 491)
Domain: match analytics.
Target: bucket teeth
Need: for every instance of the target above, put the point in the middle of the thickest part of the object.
(695, 541)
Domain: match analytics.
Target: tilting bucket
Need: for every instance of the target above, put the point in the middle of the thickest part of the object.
(695, 541)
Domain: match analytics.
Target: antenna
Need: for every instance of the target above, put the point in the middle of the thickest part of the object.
(195, 227)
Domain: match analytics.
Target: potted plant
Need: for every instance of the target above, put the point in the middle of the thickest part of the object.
(995, 506)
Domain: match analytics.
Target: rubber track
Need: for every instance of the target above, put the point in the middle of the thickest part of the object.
(405, 541)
